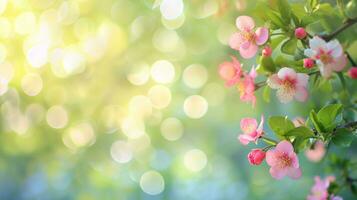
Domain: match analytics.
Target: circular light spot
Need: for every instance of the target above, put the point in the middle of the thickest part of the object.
(73, 62)
(82, 135)
(171, 9)
(133, 127)
(171, 129)
(121, 151)
(31, 84)
(163, 71)
(165, 40)
(57, 117)
(35, 112)
(140, 106)
(173, 24)
(195, 76)
(6, 71)
(160, 96)
(139, 74)
(25, 23)
(37, 55)
(152, 183)
(195, 106)
(195, 160)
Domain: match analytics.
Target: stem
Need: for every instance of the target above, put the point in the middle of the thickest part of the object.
(350, 59)
(349, 22)
(269, 141)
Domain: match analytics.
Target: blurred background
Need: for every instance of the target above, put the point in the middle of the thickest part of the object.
(120, 99)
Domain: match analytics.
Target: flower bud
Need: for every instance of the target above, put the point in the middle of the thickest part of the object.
(352, 72)
(267, 51)
(300, 33)
(308, 63)
(256, 157)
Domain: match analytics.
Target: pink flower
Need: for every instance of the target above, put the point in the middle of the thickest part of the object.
(329, 56)
(300, 33)
(317, 152)
(352, 73)
(320, 190)
(299, 121)
(256, 157)
(308, 63)
(267, 51)
(251, 130)
(231, 72)
(246, 41)
(283, 161)
(246, 87)
(289, 85)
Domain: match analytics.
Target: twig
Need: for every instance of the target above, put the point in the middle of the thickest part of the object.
(349, 22)
(351, 59)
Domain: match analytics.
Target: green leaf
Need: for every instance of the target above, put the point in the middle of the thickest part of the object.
(312, 5)
(315, 121)
(280, 125)
(327, 116)
(266, 94)
(285, 11)
(267, 64)
(301, 131)
(343, 137)
(289, 46)
(275, 20)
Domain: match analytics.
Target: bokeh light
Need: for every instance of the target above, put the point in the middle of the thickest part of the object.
(172, 129)
(160, 96)
(162, 71)
(57, 117)
(152, 182)
(195, 160)
(195, 106)
(195, 76)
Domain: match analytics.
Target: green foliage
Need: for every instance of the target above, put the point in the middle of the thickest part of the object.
(300, 135)
(267, 64)
(285, 11)
(327, 116)
(312, 6)
(289, 46)
(280, 125)
(342, 137)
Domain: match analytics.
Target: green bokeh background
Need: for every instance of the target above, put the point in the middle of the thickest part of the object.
(36, 163)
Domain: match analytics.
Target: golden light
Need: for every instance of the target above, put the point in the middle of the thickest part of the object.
(82, 134)
(57, 117)
(25, 23)
(7, 71)
(160, 96)
(171, 129)
(139, 74)
(195, 106)
(171, 9)
(162, 71)
(37, 55)
(133, 127)
(32, 84)
(195, 76)
(3, 53)
(165, 40)
(121, 151)
(152, 183)
(195, 160)
(140, 106)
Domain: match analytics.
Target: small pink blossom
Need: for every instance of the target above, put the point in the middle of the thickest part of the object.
(352, 73)
(231, 72)
(320, 189)
(246, 87)
(256, 156)
(299, 121)
(283, 161)
(329, 56)
(267, 51)
(300, 33)
(251, 131)
(289, 85)
(246, 41)
(317, 152)
(309, 63)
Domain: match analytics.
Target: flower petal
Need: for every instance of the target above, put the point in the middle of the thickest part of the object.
(261, 35)
(310, 53)
(325, 70)
(261, 125)
(284, 146)
(316, 43)
(248, 52)
(248, 125)
(245, 23)
(302, 79)
(294, 173)
(301, 94)
(236, 40)
(287, 73)
(285, 96)
(278, 173)
(335, 48)
(271, 158)
(340, 63)
(274, 81)
(245, 139)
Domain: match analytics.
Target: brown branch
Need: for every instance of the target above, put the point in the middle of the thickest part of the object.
(348, 23)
